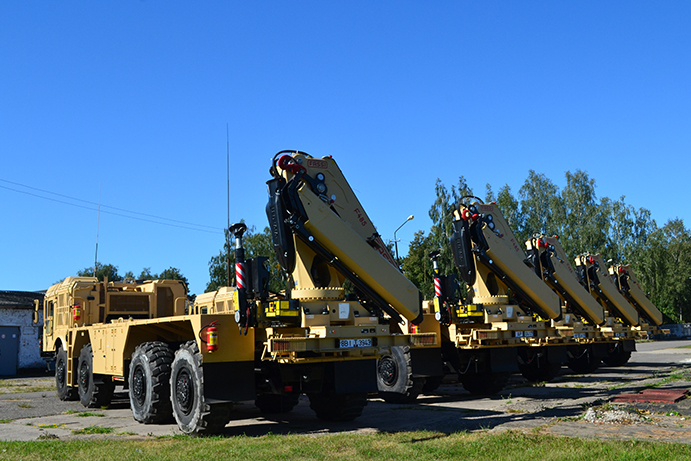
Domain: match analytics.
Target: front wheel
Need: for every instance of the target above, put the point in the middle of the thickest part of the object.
(192, 413)
(395, 380)
(65, 391)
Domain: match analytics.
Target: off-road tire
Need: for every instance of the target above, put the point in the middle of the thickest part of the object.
(276, 403)
(337, 407)
(193, 414)
(95, 391)
(395, 380)
(65, 392)
(149, 383)
(485, 383)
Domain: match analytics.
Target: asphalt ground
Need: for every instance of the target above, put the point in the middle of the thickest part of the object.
(555, 408)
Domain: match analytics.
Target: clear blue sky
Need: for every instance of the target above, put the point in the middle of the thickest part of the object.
(133, 98)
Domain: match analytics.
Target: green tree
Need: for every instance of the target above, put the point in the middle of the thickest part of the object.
(146, 274)
(511, 210)
(102, 271)
(584, 225)
(417, 265)
(172, 273)
(255, 244)
(541, 207)
(441, 214)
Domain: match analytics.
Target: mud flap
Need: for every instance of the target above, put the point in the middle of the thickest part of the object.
(426, 362)
(557, 354)
(504, 359)
(600, 350)
(629, 345)
(228, 381)
(355, 376)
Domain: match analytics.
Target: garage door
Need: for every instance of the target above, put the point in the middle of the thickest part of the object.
(9, 350)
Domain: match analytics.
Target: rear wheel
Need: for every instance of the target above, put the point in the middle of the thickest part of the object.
(193, 414)
(65, 392)
(95, 391)
(395, 377)
(338, 407)
(485, 383)
(276, 403)
(149, 383)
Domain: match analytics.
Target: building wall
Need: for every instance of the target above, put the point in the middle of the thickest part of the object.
(29, 335)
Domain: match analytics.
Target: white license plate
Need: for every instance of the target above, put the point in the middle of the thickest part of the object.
(348, 343)
(579, 335)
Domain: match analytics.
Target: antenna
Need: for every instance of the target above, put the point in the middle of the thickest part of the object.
(98, 224)
(228, 202)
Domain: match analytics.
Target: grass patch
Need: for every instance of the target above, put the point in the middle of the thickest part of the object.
(93, 430)
(20, 386)
(673, 377)
(88, 413)
(389, 446)
(25, 405)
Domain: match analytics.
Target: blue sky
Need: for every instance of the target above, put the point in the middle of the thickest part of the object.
(133, 98)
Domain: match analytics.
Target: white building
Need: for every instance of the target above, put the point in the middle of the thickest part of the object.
(19, 336)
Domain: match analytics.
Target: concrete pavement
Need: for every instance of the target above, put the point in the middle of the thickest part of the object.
(553, 408)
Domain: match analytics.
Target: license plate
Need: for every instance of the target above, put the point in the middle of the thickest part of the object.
(527, 334)
(348, 343)
(579, 335)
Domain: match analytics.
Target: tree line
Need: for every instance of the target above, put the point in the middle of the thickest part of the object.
(101, 271)
(584, 223)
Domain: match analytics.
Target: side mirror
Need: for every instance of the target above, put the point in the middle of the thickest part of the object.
(36, 307)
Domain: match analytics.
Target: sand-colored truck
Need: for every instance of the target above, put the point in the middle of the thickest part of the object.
(190, 362)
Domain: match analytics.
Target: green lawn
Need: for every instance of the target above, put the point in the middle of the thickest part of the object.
(389, 446)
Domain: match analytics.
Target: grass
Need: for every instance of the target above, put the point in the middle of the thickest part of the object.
(382, 446)
(94, 430)
(676, 376)
(88, 413)
(19, 386)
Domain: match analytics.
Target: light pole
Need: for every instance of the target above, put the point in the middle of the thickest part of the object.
(395, 241)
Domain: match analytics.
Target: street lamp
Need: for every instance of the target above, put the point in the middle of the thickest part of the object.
(395, 241)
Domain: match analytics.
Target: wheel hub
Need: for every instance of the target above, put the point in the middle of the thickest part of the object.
(387, 370)
(139, 385)
(84, 376)
(60, 373)
(184, 391)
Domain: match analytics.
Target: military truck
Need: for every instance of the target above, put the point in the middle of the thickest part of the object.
(191, 362)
